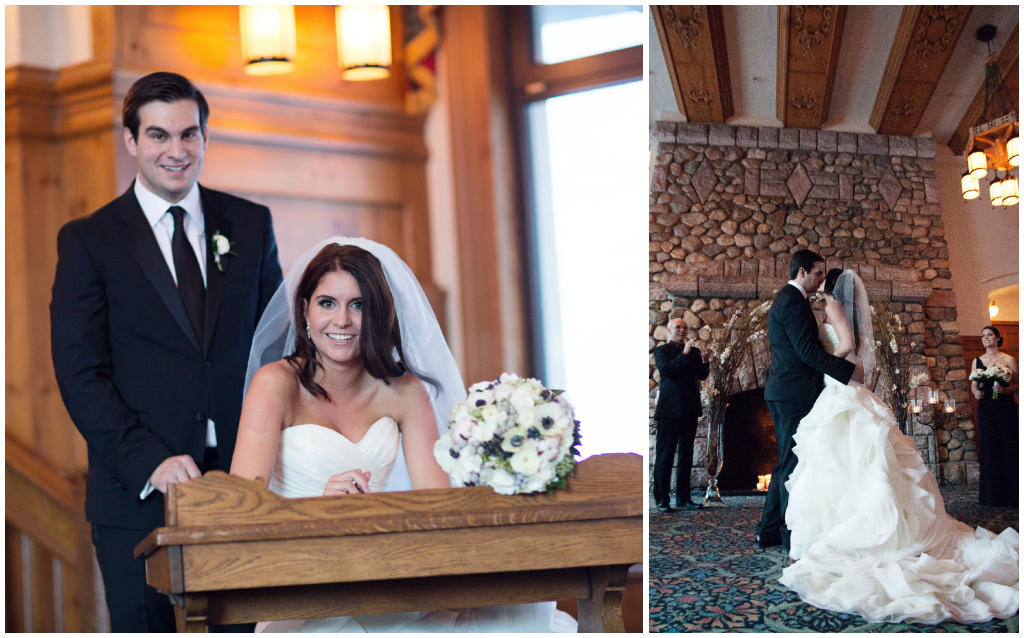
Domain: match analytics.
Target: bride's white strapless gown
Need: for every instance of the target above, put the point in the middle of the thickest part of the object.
(869, 529)
(310, 454)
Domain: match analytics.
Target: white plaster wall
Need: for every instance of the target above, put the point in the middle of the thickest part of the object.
(441, 202)
(984, 245)
(50, 37)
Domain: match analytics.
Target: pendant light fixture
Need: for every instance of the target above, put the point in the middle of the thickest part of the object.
(364, 41)
(268, 38)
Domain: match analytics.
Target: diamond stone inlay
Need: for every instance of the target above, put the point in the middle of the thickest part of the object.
(704, 181)
(890, 188)
(799, 184)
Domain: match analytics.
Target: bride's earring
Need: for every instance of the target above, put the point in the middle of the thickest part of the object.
(307, 332)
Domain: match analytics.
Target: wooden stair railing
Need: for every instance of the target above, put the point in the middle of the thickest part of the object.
(51, 578)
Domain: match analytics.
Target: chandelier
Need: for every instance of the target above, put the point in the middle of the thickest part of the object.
(996, 143)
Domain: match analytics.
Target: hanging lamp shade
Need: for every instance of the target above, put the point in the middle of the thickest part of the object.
(976, 165)
(995, 192)
(268, 38)
(364, 41)
(969, 186)
(1013, 149)
(993, 310)
(1009, 191)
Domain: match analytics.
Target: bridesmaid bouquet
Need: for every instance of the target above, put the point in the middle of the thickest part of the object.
(512, 434)
(995, 372)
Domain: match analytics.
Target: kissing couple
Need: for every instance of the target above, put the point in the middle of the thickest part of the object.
(851, 499)
(169, 307)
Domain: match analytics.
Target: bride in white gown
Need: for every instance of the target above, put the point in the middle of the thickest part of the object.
(352, 402)
(868, 526)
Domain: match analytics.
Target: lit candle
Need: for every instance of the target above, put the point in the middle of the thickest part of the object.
(915, 406)
(933, 396)
(950, 406)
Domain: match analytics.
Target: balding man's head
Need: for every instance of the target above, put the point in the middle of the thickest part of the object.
(676, 329)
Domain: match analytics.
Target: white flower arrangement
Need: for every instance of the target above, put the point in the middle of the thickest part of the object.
(511, 434)
(995, 372)
(918, 379)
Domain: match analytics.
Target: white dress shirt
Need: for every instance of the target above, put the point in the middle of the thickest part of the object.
(803, 292)
(155, 208)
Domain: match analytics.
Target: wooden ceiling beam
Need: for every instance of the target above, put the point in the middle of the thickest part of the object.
(808, 54)
(1009, 86)
(925, 39)
(693, 42)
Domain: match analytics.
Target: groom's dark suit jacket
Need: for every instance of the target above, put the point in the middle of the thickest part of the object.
(137, 381)
(799, 361)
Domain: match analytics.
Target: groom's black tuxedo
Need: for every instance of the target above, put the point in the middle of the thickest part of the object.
(137, 382)
(795, 379)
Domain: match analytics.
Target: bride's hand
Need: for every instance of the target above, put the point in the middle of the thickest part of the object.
(352, 482)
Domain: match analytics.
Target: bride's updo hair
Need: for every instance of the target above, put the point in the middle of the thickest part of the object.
(830, 280)
(380, 338)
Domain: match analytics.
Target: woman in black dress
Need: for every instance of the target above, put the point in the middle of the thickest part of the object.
(998, 420)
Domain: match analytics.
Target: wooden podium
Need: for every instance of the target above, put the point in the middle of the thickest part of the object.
(234, 552)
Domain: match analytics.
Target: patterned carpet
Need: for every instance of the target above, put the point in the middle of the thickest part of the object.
(706, 575)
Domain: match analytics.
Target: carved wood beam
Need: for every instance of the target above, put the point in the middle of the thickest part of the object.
(808, 53)
(925, 39)
(1009, 86)
(693, 42)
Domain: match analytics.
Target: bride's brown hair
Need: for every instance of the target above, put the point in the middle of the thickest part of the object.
(380, 339)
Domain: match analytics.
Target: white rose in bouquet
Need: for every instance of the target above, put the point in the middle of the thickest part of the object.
(512, 434)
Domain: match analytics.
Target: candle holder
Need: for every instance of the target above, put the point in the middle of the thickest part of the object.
(939, 415)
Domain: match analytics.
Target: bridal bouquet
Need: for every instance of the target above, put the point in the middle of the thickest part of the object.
(995, 372)
(512, 434)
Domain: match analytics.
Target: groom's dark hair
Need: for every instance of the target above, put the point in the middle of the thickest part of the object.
(380, 338)
(803, 259)
(160, 87)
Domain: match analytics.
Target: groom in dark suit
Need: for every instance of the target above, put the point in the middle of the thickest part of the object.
(155, 302)
(682, 369)
(795, 379)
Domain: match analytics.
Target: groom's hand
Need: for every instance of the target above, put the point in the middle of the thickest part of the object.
(176, 469)
(858, 373)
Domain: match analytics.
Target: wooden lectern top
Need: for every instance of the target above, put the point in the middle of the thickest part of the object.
(248, 553)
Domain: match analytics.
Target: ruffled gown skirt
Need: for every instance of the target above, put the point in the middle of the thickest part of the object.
(869, 529)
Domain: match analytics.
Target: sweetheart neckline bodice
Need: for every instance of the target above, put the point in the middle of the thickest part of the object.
(330, 429)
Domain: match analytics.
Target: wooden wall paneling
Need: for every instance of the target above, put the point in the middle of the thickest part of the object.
(925, 39)
(470, 84)
(1009, 86)
(693, 39)
(809, 40)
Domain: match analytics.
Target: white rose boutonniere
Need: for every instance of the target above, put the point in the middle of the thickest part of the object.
(221, 247)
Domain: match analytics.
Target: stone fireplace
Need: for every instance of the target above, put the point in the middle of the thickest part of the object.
(729, 205)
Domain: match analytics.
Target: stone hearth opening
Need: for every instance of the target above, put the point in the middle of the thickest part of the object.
(749, 437)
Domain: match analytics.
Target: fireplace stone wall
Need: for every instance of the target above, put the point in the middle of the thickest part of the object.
(729, 205)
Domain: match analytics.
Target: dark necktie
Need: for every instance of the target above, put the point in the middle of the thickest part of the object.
(190, 278)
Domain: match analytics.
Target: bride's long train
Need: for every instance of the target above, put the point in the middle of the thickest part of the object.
(870, 531)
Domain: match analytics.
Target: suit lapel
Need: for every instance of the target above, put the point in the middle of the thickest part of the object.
(138, 235)
(215, 223)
